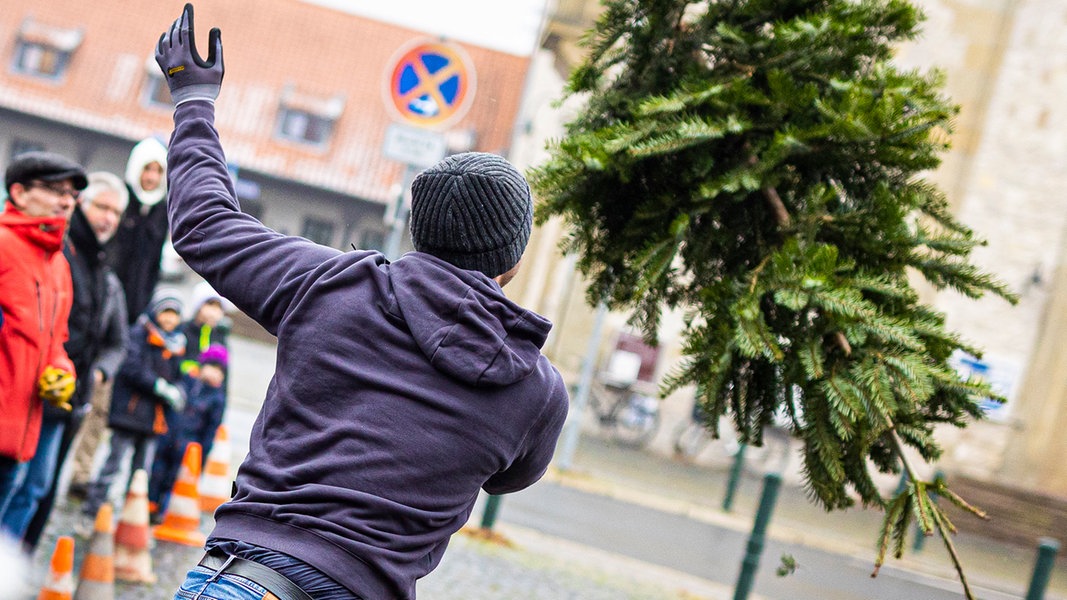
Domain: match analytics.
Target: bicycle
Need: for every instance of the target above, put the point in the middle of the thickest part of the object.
(691, 437)
(630, 416)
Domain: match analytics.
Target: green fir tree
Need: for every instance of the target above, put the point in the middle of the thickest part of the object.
(759, 164)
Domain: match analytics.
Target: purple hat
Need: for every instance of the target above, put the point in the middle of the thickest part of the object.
(215, 355)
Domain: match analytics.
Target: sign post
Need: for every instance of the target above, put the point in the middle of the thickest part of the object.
(413, 145)
(430, 85)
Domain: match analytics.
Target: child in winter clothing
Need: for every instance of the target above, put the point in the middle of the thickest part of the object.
(145, 384)
(206, 326)
(205, 403)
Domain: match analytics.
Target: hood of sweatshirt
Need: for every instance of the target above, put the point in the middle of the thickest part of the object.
(464, 323)
(146, 152)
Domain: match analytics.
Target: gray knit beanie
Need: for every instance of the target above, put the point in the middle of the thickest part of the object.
(472, 210)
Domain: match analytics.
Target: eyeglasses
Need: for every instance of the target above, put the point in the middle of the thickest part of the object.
(56, 188)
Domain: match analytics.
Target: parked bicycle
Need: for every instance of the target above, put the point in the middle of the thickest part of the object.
(631, 416)
(691, 437)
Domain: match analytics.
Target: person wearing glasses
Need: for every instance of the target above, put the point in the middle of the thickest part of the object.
(97, 346)
(35, 300)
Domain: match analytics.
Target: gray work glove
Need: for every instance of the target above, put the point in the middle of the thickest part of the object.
(189, 76)
(171, 394)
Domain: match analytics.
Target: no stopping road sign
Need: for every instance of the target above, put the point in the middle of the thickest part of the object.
(431, 84)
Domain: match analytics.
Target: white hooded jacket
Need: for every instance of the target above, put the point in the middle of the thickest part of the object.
(146, 152)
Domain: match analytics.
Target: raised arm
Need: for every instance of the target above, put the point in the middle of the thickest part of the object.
(260, 270)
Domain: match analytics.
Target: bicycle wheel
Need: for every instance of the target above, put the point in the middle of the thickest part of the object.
(636, 420)
(690, 438)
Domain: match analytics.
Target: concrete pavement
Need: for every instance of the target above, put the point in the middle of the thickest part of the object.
(653, 479)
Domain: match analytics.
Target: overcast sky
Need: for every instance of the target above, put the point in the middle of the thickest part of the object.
(507, 25)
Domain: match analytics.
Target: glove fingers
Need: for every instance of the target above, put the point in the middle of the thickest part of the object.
(187, 25)
(172, 34)
(189, 37)
(214, 54)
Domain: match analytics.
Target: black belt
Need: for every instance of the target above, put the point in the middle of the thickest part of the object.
(275, 582)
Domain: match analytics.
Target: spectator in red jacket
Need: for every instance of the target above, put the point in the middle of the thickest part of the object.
(35, 300)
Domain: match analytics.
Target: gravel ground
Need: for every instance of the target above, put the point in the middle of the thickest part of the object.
(515, 564)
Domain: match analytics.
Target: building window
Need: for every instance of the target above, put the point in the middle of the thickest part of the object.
(156, 91)
(44, 51)
(254, 208)
(298, 126)
(371, 239)
(307, 119)
(22, 146)
(318, 230)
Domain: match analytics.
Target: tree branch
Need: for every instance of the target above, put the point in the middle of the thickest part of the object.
(842, 342)
(898, 447)
(781, 215)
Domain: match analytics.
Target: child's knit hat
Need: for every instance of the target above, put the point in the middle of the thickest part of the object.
(165, 299)
(215, 355)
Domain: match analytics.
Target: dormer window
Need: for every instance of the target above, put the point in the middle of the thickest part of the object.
(156, 92)
(307, 119)
(43, 50)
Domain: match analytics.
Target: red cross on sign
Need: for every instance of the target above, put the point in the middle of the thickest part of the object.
(431, 83)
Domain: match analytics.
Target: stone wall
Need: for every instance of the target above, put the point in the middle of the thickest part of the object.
(1006, 64)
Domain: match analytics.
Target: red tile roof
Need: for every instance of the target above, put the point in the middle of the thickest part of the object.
(268, 45)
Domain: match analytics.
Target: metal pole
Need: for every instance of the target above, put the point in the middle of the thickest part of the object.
(735, 476)
(492, 507)
(1046, 558)
(581, 395)
(400, 215)
(771, 483)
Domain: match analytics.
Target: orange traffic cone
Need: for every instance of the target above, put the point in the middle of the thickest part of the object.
(96, 580)
(132, 559)
(216, 483)
(60, 583)
(181, 524)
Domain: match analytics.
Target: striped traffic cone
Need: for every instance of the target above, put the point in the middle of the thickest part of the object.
(181, 524)
(96, 580)
(132, 559)
(216, 483)
(60, 582)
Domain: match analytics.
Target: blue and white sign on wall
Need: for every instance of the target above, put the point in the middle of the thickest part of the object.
(431, 84)
(1001, 374)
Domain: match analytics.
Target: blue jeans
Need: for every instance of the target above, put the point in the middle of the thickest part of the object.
(39, 473)
(12, 474)
(201, 583)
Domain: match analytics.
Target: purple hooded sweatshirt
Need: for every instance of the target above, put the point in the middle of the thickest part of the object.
(400, 389)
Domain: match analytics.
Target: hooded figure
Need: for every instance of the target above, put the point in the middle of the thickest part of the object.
(207, 325)
(138, 247)
(400, 389)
